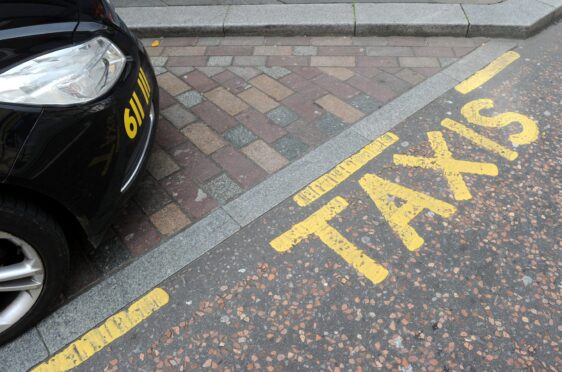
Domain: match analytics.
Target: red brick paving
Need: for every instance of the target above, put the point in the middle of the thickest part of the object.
(293, 72)
(200, 81)
(260, 125)
(239, 167)
(199, 166)
(167, 135)
(188, 194)
(214, 116)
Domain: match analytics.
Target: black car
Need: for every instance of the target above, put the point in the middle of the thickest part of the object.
(78, 113)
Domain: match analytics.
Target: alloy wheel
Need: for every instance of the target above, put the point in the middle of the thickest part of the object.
(21, 279)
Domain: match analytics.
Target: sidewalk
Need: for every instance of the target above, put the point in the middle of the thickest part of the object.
(510, 18)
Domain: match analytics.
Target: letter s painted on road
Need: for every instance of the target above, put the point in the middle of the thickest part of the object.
(529, 134)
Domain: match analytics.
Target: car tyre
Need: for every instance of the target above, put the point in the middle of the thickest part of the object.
(32, 236)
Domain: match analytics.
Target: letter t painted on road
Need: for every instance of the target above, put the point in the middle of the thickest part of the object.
(317, 225)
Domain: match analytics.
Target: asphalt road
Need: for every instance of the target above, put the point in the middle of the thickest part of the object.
(440, 253)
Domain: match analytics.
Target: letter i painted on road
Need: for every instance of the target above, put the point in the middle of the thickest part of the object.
(451, 168)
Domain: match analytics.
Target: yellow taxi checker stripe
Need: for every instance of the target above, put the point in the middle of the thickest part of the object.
(143, 84)
(143, 77)
(487, 73)
(113, 328)
(138, 104)
(143, 89)
(344, 170)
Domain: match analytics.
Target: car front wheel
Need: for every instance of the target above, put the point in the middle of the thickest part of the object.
(33, 265)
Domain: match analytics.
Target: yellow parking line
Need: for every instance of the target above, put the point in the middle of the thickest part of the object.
(114, 327)
(344, 170)
(487, 73)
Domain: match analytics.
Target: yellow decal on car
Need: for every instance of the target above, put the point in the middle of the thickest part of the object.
(134, 114)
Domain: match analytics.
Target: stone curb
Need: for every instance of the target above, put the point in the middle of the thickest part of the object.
(115, 292)
(511, 18)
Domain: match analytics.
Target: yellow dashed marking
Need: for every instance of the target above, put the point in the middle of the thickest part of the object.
(344, 170)
(113, 328)
(487, 73)
(317, 225)
(451, 167)
(398, 217)
(479, 139)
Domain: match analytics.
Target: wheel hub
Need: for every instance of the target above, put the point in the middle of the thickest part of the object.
(21, 279)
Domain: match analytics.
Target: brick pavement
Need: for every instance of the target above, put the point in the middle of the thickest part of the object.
(235, 110)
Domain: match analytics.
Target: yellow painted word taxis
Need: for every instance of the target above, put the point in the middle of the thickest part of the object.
(383, 192)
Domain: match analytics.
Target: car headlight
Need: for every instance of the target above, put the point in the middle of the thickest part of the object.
(72, 75)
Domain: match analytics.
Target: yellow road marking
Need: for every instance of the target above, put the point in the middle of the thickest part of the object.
(113, 328)
(479, 139)
(487, 73)
(399, 218)
(317, 225)
(344, 170)
(528, 134)
(451, 167)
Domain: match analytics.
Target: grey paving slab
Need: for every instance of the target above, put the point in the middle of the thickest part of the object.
(329, 123)
(175, 21)
(305, 50)
(291, 147)
(510, 18)
(158, 61)
(284, 183)
(159, 70)
(190, 98)
(478, 59)
(556, 4)
(115, 292)
(275, 72)
(317, 19)
(513, 18)
(239, 136)
(365, 103)
(219, 61)
(222, 188)
(410, 19)
(23, 353)
(282, 116)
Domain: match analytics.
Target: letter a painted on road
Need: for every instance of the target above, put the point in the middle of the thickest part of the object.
(399, 217)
